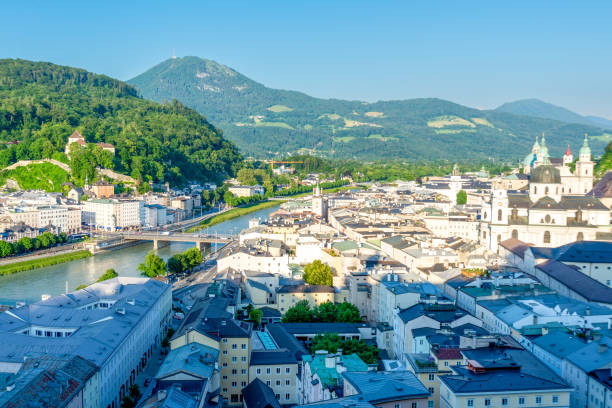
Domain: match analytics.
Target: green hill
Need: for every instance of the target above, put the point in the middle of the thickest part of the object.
(540, 109)
(41, 104)
(266, 122)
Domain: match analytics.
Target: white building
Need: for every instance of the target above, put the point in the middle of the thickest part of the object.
(555, 211)
(114, 324)
(112, 214)
(246, 191)
(154, 215)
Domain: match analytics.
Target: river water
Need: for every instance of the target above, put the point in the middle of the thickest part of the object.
(29, 286)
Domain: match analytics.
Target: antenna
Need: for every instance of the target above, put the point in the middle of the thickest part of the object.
(173, 54)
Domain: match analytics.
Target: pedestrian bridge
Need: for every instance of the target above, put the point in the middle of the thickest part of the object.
(201, 240)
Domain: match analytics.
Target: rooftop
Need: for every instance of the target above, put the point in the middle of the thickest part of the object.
(378, 387)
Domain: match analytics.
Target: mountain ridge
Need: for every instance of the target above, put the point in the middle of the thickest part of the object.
(538, 108)
(266, 122)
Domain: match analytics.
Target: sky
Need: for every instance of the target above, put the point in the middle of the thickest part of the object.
(477, 53)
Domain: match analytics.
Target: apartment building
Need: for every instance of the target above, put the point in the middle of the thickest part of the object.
(114, 324)
(112, 214)
(278, 369)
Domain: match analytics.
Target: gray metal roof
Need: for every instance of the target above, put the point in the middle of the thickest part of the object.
(386, 386)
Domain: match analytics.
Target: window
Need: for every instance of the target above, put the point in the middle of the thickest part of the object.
(499, 215)
(521, 400)
(243, 383)
(224, 364)
(224, 341)
(234, 359)
(287, 396)
(243, 346)
(580, 237)
(538, 400)
(278, 370)
(487, 402)
(431, 377)
(555, 399)
(414, 405)
(278, 383)
(396, 406)
(268, 370)
(225, 352)
(546, 191)
(288, 370)
(234, 346)
(515, 234)
(446, 364)
(225, 390)
(504, 401)
(234, 383)
(268, 383)
(470, 403)
(287, 382)
(243, 359)
(547, 237)
(225, 377)
(243, 371)
(258, 371)
(431, 390)
(430, 404)
(234, 371)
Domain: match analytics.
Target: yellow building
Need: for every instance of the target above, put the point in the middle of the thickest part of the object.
(287, 296)
(502, 377)
(427, 368)
(233, 340)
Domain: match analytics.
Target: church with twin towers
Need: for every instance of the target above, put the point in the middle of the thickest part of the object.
(554, 209)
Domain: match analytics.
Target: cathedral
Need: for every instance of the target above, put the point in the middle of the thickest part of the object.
(554, 210)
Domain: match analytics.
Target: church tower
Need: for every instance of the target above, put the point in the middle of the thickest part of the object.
(568, 158)
(584, 168)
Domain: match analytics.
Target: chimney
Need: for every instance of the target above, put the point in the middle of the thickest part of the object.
(588, 311)
(330, 361)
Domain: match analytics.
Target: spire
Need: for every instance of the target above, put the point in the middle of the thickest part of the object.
(568, 152)
(544, 158)
(536, 146)
(585, 150)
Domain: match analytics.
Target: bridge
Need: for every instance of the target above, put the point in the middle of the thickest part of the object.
(201, 240)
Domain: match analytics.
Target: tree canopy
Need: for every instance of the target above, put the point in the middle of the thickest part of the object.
(152, 266)
(41, 104)
(461, 197)
(327, 312)
(109, 274)
(317, 273)
(332, 343)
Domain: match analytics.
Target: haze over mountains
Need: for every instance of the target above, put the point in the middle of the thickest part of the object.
(540, 109)
(267, 122)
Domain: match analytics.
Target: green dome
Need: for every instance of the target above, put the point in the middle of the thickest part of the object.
(585, 150)
(545, 174)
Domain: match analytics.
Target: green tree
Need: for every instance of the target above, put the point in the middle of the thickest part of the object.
(152, 266)
(317, 273)
(332, 342)
(109, 274)
(326, 312)
(131, 399)
(461, 197)
(175, 264)
(193, 257)
(299, 313)
(347, 313)
(255, 316)
(6, 249)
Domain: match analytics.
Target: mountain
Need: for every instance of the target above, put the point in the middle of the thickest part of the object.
(540, 109)
(267, 122)
(41, 104)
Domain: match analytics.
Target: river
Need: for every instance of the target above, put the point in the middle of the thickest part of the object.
(29, 286)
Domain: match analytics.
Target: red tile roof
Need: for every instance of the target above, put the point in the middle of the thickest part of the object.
(445, 353)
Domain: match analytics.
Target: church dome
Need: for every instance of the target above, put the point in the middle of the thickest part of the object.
(546, 174)
(529, 159)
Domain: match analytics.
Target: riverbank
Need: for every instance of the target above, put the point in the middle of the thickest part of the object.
(16, 267)
(235, 213)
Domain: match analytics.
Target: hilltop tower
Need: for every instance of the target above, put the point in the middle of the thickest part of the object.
(584, 168)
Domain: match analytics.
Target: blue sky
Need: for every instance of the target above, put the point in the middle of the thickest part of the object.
(476, 53)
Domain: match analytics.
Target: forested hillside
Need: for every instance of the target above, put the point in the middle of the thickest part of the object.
(267, 122)
(41, 104)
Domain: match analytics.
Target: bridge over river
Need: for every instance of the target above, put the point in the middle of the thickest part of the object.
(201, 241)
